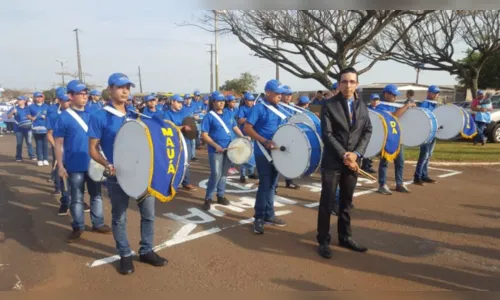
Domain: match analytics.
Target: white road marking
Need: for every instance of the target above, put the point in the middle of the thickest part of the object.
(449, 174)
(19, 285)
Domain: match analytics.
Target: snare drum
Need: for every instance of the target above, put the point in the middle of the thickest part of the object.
(96, 170)
(26, 124)
(149, 158)
(418, 126)
(308, 118)
(39, 130)
(452, 121)
(240, 151)
(377, 140)
(299, 152)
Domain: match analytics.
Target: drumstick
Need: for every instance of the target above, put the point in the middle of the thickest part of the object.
(367, 175)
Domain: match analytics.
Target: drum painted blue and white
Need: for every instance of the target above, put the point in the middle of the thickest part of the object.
(377, 139)
(299, 152)
(39, 130)
(308, 118)
(451, 120)
(26, 124)
(418, 126)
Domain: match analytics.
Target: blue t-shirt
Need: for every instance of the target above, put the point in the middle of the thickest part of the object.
(150, 113)
(216, 131)
(290, 112)
(189, 110)
(76, 143)
(265, 122)
(53, 108)
(159, 107)
(175, 117)
(385, 107)
(429, 105)
(20, 116)
(197, 105)
(52, 119)
(243, 112)
(104, 126)
(41, 111)
(92, 107)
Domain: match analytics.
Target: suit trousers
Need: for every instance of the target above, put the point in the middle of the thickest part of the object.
(330, 179)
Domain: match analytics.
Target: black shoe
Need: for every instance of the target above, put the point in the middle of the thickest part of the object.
(75, 235)
(371, 171)
(194, 159)
(253, 176)
(222, 200)
(207, 204)
(349, 243)
(243, 179)
(325, 251)
(275, 221)
(63, 210)
(86, 207)
(335, 209)
(351, 206)
(293, 186)
(418, 181)
(258, 226)
(428, 180)
(153, 259)
(126, 265)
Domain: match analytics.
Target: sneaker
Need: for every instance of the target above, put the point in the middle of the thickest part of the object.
(418, 181)
(293, 186)
(325, 251)
(33, 159)
(104, 229)
(402, 189)
(194, 159)
(253, 176)
(45, 163)
(126, 265)
(207, 204)
(275, 221)
(75, 235)
(223, 200)
(153, 259)
(258, 226)
(384, 190)
(40, 163)
(428, 180)
(86, 207)
(232, 171)
(243, 179)
(189, 187)
(63, 210)
(19, 160)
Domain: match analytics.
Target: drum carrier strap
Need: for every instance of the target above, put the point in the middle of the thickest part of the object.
(77, 118)
(216, 116)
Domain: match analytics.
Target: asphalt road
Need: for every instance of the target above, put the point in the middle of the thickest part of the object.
(440, 237)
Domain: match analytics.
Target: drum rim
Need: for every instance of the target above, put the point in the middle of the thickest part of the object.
(246, 140)
(309, 147)
(380, 117)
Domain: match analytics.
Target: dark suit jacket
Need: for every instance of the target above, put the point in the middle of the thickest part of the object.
(337, 133)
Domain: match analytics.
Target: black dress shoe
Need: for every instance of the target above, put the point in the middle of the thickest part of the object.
(325, 251)
(349, 243)
(153, 259)
(126, 265)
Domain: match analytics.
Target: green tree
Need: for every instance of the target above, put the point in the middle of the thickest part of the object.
(246, 82)
(49, 94)
(105, 94)
(489, 76)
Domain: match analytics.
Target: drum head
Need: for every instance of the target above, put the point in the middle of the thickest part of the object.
(294, 161)
(132, 158)
(240, 151)
(302, 118)
(415, 127)
(184, 161)
(451, 120)
(96, 171)
(378, 135)
(193, 133)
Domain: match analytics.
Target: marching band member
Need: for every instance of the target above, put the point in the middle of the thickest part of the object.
(197, 104)
(93, 104)
(176, 115)
(262, 122)
(217, 130)
(60, 189)
(38, 114)
(303, 102)
(70, 133)
(20, 112)
(231, 108)
(151, 108)
(390, 93)
(243, 112)
(104, 126)
(421, 175)
(130, 106)
(204, 106)
(190, 110)
(346, 132)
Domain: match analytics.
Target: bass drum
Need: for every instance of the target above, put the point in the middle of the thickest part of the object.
(377, 139)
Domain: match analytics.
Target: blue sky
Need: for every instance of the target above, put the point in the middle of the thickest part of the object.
(117, 36)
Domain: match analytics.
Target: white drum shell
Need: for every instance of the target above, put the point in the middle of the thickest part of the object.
(378, 135)
(450, 119)
(415, 127)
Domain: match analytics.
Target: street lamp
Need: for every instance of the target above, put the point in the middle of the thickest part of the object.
(62, 68)
(418, 66)
(217, 47)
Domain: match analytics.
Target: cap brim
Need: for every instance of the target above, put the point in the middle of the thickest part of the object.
(124, 81)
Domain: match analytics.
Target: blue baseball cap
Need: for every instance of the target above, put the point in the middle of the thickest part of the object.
(288, 90)
(149, 98)
(206, 97)
(177, 98)
(95, 93)
(21, 98)
(217, 96)
(304, 99)
(197, 93)
(63, 98)
(119, 79)
(374, 96)
(60, 91)
(335, 86)
(37, 94)
(230, 98)
(187, 96)
(248, 96)
(391, 89)
(274, 86)
(75, 86)
(433, 89)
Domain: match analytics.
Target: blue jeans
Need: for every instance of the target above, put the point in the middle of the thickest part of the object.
(190, 156)
(248, 167)
(42, 146)
(55, 173)
(193, 148)
(422, 169)
(219, 164)
(76, 183)
(119, 205)
(399, 164)
(481, 126)
(268, 180)
(198, 137)
(27, 136)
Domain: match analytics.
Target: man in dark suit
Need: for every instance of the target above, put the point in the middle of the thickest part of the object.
(346, 131)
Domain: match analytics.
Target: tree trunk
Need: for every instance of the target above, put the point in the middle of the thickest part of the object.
(474, 76)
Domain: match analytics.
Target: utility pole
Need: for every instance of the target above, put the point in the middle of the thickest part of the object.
(417, 68)
(216, 53)
(62, 73)
(211, 67)
(80, 75)
(277, 65)
(140, 78)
